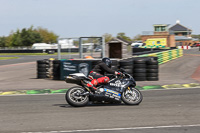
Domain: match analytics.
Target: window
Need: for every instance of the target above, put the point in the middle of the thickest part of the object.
(160, 28)
(163, 28)
(157, 28)
(158, 42)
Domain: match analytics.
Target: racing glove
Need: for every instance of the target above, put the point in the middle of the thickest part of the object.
(118, 73)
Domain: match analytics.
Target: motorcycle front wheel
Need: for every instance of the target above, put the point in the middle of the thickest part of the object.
(132, 96)
(74, 98)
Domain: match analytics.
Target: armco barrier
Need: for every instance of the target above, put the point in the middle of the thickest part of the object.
(165, 56)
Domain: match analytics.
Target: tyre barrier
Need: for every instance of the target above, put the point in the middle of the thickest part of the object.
(114, 65)
(94, 62)
(152, 70)
(56, 69)
(127, 65)
(140, 69)
(42, 69)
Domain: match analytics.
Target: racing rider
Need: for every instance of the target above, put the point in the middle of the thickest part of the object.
(97, 73)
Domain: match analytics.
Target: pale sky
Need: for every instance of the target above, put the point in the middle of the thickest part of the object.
(76, 18)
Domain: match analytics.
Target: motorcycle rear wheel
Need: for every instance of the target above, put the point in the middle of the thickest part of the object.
(74, 98)
(133, 97)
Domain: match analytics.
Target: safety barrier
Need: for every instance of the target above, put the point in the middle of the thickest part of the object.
(143, 67)
(184, 47)
(165, 56)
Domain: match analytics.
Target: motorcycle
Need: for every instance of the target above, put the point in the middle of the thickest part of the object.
(118, 89)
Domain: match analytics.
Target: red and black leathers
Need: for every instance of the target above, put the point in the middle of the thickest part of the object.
(97, 75)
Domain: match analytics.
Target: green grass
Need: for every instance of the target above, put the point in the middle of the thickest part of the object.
(34, 54)
(8, 58)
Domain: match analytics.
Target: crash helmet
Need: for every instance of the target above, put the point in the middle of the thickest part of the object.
(107, 61)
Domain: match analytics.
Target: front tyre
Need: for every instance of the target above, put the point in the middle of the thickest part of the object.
(74, 98)
(132, 96)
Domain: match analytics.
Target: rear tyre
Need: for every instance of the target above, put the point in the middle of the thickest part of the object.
(74, 99)
(132, 97)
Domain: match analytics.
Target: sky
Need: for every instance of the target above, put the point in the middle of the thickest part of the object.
(78, 18)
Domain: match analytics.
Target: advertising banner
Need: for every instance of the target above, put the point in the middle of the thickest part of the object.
(74, 66)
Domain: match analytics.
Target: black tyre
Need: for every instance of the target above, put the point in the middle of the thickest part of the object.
(56, 65)
(114, 62)
(74, 99)
(125, 63)
(41, 76)
(152, 74)
(41, 73)
(140, 78)
(56, 70)
(114, 68)
(55, 74)
(152, 62)
(152, 66)
(152, 70)
(43, 65)
(126, 67)
(152, 78)
(140, 61)
(56, 78)
(140, 65)
(139, 70)
(42, 69)
(132, 97)
(42, 61)
(129, 71)
(139, 74)
(56, 61)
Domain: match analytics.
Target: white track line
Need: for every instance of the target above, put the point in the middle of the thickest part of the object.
(117, 129)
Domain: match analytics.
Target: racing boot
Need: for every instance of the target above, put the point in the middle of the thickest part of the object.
(92, 84)
(93, 89)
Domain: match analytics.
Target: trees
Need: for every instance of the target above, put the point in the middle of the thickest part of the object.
(137, 37)
(196, 36)
(3, 41)
(107, 37)
(123, 36)
(27, 37)
(47, 36)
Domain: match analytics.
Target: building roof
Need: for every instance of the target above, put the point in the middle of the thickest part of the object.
(161, 25)
(179, 27)
(118, 39)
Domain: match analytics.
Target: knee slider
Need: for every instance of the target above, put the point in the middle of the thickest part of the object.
(94, 82)
(106, 80)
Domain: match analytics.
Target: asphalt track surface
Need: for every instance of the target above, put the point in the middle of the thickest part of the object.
(161, 111)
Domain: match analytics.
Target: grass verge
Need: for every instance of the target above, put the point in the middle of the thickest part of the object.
(34, 54)
(8, 58)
